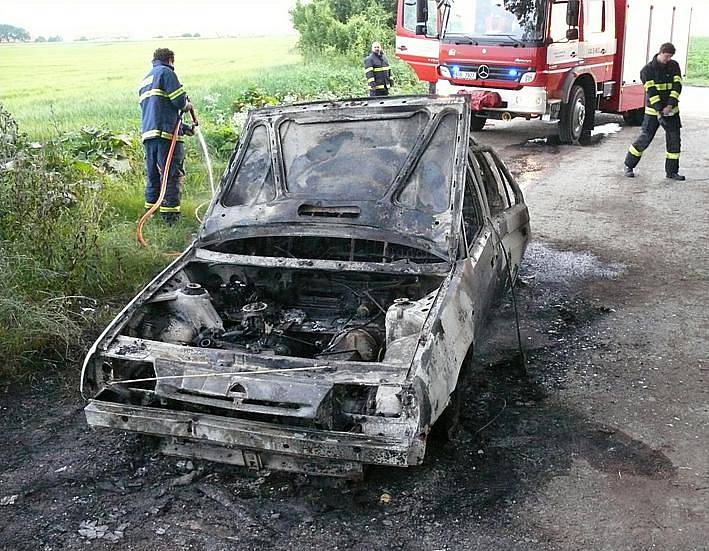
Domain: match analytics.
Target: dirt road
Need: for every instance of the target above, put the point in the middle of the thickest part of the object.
(601, 444)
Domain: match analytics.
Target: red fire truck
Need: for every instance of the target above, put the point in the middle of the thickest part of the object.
(555, 60)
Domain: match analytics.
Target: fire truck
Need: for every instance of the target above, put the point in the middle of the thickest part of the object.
(555, 60)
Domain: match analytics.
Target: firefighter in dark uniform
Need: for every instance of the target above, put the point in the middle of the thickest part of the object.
(162, 101)
(662, 79)
(377, 71)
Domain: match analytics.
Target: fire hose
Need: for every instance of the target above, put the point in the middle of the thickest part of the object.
(165, 176)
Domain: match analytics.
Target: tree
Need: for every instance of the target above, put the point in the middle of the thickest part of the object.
(344, 26)
(40, 39)
(10, 33)
(55, 38)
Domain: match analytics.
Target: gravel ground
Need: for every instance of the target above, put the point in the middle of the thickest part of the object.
(600, 443)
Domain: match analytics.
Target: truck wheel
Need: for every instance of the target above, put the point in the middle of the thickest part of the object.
(572, 116)
(477, 123)
(634, 117)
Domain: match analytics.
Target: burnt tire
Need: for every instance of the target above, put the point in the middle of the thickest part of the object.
(477, 123)
(572, 116)
(634, 117)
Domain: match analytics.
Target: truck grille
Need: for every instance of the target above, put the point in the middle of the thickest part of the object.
(500, 72)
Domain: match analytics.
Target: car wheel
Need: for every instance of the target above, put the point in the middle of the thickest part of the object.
(572, 116)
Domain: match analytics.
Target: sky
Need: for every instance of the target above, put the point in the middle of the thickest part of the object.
(73, 19)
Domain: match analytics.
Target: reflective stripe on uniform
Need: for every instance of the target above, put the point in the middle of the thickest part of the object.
(379, 87)
(655, 99)
(635, 152)
(370, 79)
(650, 111)
(674, 94)
(664, 86)
(153, 92)
(677, 78)
(672, 155)
(159, 134)
(367, 69)
(649, 84)
(379, 69)
(176, 93)
(149, 205)
(170, 209)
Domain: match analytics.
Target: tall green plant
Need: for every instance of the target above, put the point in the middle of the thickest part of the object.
(345, 27)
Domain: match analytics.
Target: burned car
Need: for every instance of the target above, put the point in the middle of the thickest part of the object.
(320, 319)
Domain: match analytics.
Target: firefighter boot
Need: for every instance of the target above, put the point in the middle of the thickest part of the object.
(628, 172)
(676, 176)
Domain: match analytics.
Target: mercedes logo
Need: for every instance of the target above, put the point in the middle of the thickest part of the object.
(483, 71)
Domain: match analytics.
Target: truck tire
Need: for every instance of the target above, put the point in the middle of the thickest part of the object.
(477, 123)
(572, 116)
(634, 117)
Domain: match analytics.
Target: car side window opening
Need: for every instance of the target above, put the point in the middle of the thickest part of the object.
(503, 183)
(472, 213)
(253, 182)
(494, 189)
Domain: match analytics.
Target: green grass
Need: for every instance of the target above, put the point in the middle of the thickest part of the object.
(64, 86)
(698, 61)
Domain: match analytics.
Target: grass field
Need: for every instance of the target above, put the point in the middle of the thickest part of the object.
(698, 61)
(65, 86)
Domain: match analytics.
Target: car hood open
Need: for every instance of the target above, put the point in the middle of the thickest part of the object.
(389, 169)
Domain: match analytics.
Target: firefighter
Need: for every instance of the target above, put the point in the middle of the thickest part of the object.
(377, 71)
(162, 100)
(662, 79)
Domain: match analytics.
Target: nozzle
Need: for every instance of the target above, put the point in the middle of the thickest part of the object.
(193, 114)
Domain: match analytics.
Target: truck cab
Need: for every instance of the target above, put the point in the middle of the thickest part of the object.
(554, 60)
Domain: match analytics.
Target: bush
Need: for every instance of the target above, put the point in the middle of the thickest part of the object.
(60, 260)
(344, 27)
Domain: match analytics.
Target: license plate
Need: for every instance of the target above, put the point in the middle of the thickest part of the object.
(467, 75)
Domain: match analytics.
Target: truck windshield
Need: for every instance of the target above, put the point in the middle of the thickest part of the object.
(499, 21)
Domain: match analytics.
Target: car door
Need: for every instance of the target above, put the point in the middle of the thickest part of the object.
(509, 216)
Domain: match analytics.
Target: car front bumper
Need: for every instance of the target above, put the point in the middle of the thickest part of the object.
(256, 444)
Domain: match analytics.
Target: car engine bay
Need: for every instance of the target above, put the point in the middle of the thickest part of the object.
(286, 312)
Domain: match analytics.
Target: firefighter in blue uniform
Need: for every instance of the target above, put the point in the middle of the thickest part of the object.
(377, 71)
(662, 78)
(162, 101)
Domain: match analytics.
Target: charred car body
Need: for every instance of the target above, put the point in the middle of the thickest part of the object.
(321, 317)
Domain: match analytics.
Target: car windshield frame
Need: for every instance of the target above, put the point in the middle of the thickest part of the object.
(502, 23)
(423, 137)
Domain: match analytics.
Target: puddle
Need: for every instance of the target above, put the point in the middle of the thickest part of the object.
(548, 265)
(525, 169)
